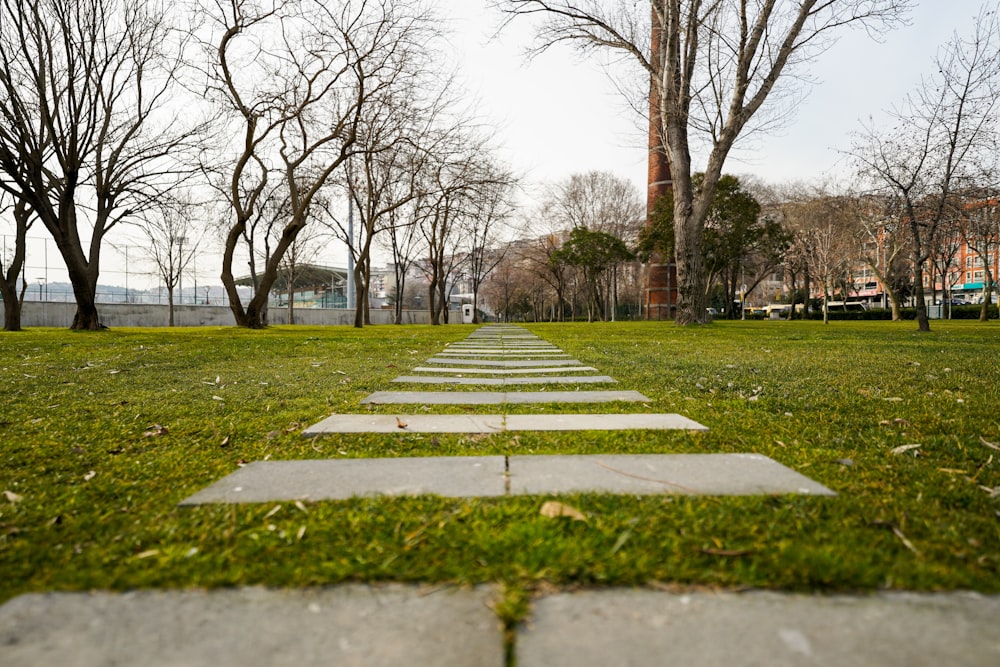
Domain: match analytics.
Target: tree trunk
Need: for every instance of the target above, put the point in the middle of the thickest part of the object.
(688, 232)
(984, 312)
(228, 281)
(170, 306)
(923, 323)
(11, 306)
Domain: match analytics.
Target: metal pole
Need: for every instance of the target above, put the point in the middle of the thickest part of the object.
(180, 270)
(350, 255)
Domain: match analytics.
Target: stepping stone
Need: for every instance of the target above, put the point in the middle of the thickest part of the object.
(493, 476)
(522, 363)
(685, 474)
(564, 379)
(378, 626)
(649, 629)
(338, 479)
(492, 371)
(601, 422)
(499, 398)
(497, 423)
(413, 424)
(506, 353)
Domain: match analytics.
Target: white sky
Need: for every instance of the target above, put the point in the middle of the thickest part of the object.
(559, 114)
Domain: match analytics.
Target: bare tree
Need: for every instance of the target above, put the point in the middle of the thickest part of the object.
(881, 244)
(86, 139)
(981, 233)
(173, 239)
(296, 79)
(712, 66)
(404, 241)
(493, 206)
(12, 262)
(455, 173)
(941, 135)
(396, 144)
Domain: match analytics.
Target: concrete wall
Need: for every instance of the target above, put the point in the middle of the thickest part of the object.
(42, 314)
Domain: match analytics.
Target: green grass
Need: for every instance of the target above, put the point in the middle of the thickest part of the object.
(94, 480)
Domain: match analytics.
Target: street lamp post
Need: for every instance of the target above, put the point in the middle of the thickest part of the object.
(41, 283)
(180, 269)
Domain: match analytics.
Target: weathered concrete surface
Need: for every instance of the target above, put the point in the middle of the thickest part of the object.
(479, 352)
(491, 476)
(407, 424)
(496, 423)
(558, 379)
(760, 629)
(600, 422)
(499, 398)
(338, 479)
(351, 625)
(688, 474)
(495, 371)
(528, 363)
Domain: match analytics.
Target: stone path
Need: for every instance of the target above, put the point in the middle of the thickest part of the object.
(397, 625)
(490, 476)
(409, 626)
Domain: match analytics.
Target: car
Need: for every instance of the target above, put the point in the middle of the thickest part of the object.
(712, 312)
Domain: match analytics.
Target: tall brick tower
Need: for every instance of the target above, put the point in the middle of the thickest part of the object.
(661, 277)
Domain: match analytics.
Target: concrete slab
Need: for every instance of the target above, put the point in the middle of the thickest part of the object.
(562, 379)
(650, 629)
(411, 424)
(337, 479)
(496, 423)
(505, 352)
(499, 398)
(601, 422)
(377, 626)
(682, 474)
(523, 363)
(496, 371)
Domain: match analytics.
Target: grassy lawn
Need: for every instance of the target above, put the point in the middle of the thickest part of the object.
(101, 434)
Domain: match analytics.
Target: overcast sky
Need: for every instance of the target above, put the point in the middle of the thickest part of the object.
(559, 114)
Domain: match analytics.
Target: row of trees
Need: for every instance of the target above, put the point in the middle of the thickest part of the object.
(798, 240)
(717, 71)
(261, 117)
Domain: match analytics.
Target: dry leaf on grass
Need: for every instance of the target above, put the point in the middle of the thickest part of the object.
(902, 449)
(554, 509)
(155, 430)
(729, 553)
(12, 497)
(991, 445)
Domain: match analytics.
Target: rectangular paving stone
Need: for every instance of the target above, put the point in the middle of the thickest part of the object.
(496, 371)
(521, 363)
(682, 474)
(499, 398)
(377, 626)
(435, 398)
(644, 628)
(413, 424)
(601, 422)
(495, 423)
(563, 379)
(504, 352)
(337, 479)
